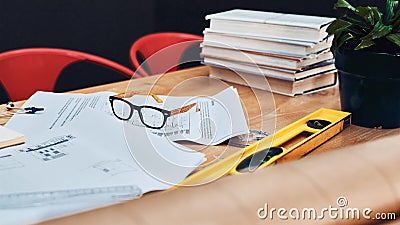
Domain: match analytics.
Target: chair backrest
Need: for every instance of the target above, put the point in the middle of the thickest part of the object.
(166, 60)
(25, 71)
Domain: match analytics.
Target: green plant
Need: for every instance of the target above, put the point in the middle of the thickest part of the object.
(365, 25)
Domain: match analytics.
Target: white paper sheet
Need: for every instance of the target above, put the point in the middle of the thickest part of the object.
(214, 120)
(211, 125)
(91, 147)
(95, 149)
(60, 109)
(89, 154)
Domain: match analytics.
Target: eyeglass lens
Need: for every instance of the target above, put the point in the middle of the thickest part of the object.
(152, 117)
(121, 109)
(147, 115)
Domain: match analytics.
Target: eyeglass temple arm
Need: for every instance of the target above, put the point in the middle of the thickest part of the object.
(183, 109)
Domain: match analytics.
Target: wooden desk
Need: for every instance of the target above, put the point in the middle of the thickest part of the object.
(288, 109)
(278, 110)
(285, 111)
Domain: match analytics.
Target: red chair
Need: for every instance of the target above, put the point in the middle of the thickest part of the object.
(166, 60)
(25, 71)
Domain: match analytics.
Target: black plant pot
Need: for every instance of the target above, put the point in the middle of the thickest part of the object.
(369, 86)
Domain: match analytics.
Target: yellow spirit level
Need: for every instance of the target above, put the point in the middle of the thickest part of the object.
(292, 141)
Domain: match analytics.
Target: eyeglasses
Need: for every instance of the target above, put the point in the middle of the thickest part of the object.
(150, 116)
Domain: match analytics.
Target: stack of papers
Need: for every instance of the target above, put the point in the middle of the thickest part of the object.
(78, 144)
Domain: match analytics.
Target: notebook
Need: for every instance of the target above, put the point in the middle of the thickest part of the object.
(10, 137)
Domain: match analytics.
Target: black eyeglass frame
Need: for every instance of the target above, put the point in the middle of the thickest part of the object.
(166, 113)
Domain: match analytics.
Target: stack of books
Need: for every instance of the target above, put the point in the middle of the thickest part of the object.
(290, 51)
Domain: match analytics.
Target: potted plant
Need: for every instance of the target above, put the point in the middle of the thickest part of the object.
(367, 55)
